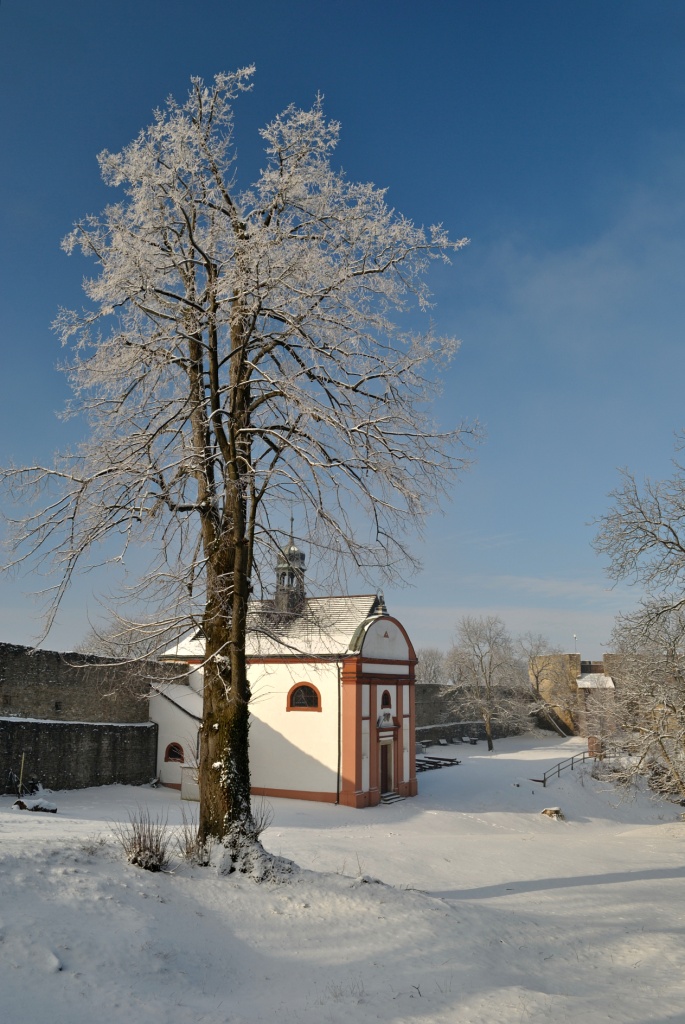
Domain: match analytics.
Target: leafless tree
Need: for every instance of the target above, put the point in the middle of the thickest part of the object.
(124, 640)
(646, 709)
(430, 668)
(242, 352)
(488, 676)
(643, 535)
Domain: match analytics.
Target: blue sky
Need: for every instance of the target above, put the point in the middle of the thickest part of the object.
(549, 133)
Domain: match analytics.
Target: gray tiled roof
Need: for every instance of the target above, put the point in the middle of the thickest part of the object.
(325, 627)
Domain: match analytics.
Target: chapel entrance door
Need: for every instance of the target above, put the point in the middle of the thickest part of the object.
(386, 768)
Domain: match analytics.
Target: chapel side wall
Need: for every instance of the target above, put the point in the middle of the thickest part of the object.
(174, 726)
(293, 752)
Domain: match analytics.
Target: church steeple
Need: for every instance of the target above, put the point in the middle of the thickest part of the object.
(290, 593)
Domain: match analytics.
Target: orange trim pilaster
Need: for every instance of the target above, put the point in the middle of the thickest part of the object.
(350, 783)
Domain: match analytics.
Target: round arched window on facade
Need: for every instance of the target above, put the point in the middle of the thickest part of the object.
(304, 697)
(386, 701)
(174, 752)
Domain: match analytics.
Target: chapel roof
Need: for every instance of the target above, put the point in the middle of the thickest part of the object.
(324, 628)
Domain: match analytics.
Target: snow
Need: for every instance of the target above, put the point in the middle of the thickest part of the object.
(594, 681)
(463, 905)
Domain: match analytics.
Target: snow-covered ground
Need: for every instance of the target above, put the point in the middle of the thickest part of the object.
(484, 909)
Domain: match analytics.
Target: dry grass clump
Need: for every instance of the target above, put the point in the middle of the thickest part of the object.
(145, 840)
(188, 841)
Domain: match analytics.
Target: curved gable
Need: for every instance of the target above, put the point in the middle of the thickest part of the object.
(385, 638)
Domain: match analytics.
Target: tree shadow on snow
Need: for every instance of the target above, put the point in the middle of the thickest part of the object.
(542, 884)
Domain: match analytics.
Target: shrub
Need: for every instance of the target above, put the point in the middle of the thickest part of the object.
(188, 841)
(145, 840)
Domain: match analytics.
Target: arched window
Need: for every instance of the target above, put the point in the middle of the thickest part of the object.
(304, 697)
(174, 752)
(386, 702)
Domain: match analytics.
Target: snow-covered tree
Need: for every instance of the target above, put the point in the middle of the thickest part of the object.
(430, 667)
(643, 535)
(489, 678)
(241, 354)
(643, 717)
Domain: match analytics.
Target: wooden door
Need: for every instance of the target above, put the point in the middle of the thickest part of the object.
(386, 774)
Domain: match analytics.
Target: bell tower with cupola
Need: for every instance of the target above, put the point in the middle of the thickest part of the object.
(290, 593)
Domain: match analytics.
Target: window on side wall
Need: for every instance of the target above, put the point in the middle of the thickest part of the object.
(304, 697)
(174, 752)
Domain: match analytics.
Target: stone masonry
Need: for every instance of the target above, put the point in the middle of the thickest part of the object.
(74, 687)
(78, 720)
(71, 755)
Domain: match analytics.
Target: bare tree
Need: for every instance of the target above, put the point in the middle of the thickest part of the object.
(430, 667)
(552, 698)
(124, 640)
(646, 709)
(242, 352)
(489, 678)
(643, 535)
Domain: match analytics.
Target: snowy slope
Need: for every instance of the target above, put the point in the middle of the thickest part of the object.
(489, 911)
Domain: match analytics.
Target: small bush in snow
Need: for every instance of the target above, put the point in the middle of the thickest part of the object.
(188, 842)
(93, 844)
(262, 816)
(145, 840)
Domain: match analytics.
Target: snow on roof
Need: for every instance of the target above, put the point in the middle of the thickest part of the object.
(325, 628)
(594, 681)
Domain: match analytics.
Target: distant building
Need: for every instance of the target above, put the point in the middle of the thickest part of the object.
(567, 684)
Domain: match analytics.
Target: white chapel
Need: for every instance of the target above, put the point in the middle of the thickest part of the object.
(332, 709)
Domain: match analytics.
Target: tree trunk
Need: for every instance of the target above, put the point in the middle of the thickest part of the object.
(488, 731)
(224, 773)
(225, 812)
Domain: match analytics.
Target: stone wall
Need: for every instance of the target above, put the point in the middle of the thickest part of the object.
(74, 755)
(75, 687)
(430, 704)
(453, 732)
(435, 720)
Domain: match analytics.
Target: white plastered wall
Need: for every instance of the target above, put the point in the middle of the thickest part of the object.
(385, 640)
(405, 733)
(289, 750)
(173, 726)
(293, 750)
